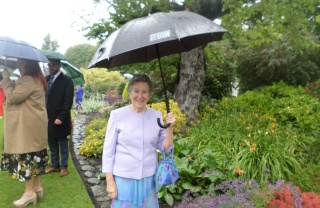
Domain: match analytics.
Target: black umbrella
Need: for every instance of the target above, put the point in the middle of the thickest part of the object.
(155, 36)
(11, 48)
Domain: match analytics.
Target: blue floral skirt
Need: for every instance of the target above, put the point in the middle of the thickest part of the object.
(23, 166)
(135, 193)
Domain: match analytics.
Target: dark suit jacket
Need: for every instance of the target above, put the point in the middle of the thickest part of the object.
(59, 100)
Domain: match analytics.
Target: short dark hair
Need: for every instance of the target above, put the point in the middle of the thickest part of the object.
(140, 78)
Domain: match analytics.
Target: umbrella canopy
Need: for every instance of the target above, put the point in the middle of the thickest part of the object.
(155, 36)
(73, 72)
(9, 62)
(170, 33)
(53, 55)
(19, 49)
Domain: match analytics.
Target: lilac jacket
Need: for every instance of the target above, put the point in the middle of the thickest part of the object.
(131, 142)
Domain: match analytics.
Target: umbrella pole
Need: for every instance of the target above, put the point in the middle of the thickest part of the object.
(165, 93)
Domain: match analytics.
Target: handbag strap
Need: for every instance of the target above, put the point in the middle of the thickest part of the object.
(170, 156)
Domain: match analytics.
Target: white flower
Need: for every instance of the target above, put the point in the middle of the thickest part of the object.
(27, 172)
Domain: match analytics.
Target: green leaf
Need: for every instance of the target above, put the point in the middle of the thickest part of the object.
(160, 194)
(168, 198)
(177, 196)
(189, 186)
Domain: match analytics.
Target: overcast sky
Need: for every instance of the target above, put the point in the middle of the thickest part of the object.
(32, 20)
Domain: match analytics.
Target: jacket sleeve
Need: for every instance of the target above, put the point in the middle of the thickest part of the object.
(67, 101)
(20, 91)
(109, 147)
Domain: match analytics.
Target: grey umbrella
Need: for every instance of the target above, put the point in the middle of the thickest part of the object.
(155, 36)
(9, 62)
(10, 47)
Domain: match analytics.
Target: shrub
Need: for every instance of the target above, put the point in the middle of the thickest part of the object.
(93, 142)
(99, 80)
(313, 88)
(180, 117)
(307, 177)
(95, 125)
(93, 104)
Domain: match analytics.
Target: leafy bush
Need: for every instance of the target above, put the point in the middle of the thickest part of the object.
(174, 108)
(93, 104)
(95, 125)
(245, 136)
(307, 177)
(99, 80)
(313, 88)
(95, 134)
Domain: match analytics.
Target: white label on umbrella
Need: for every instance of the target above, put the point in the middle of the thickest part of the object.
(160, 35)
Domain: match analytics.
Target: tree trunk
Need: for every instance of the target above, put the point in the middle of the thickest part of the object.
(190, 81)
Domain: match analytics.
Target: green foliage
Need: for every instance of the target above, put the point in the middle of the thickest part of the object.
(95, 126)
(313, 88)
(99, 80)
(273, 62)
(220, 70)
(93, 104)
(121, 87)
(95, 134)
(48, 44)
(307, 178)
(265, 135)
(174, 108)
(80, 55)
(271, 47)
(95, 75)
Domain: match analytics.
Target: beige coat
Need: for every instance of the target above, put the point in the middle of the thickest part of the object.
(26, 121)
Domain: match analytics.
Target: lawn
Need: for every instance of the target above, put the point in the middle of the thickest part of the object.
(63, 192)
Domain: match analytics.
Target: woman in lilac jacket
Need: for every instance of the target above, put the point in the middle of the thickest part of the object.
(129, 156)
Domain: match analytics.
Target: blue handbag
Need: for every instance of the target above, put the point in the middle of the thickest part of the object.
(167, 172)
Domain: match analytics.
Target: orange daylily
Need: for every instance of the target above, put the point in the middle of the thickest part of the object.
(239, 171)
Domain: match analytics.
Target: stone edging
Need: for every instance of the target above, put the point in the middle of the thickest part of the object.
(88, 167)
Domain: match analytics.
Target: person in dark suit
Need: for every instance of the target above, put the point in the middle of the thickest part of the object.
(59, 100)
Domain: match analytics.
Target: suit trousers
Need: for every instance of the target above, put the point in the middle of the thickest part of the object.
(59, 148)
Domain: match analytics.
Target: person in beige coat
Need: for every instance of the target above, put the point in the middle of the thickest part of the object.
(25, 128)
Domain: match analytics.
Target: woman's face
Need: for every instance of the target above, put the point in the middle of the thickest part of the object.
(21, 66)
(139, 95)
